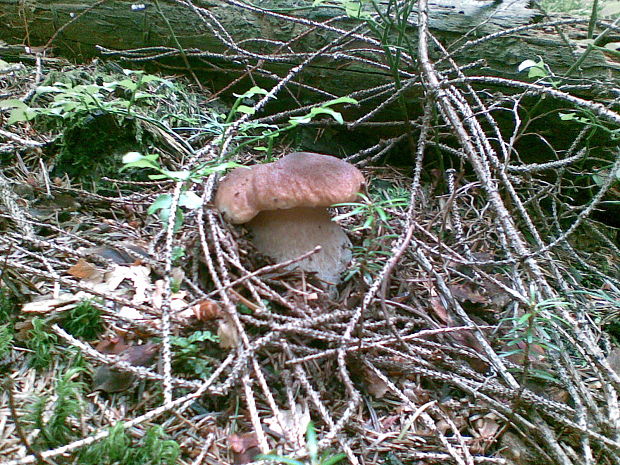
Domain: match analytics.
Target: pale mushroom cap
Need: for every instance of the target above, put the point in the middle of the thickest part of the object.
(301, 179)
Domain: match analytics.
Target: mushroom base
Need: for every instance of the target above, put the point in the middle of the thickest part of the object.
(286, 234)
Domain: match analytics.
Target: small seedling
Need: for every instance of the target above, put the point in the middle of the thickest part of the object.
(375, 211)
(188, 352)
(313, 453)
(83, 321)
(119, 447)
(69, 100)
(51, 414)
(41, 342)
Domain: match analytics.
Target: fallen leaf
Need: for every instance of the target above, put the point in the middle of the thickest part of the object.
(47, 305)
(463, 292)
(614, 360)
(439, 310)
(112, 345)
(130, 313)
(85, 270)
(375, 385)
(109, 379)
(226, 331)
(244, 447)
(138, 275)
(292, 425)
(207, 310)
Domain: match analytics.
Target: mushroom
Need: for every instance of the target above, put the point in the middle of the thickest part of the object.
(284, 205)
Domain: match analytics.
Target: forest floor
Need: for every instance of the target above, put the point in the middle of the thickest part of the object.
(134, 333)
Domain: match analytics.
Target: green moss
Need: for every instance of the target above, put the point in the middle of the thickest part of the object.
(83, 321)
(118, 447)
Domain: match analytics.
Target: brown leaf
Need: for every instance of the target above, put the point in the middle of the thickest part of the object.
(226, 331)
(463, 292)
(22, 329)
(439, 310)
(83, 270)
(291, 424)
(112, 345)
(375, 385)
(109, 379)
(207, 310)
(47, 305)
(614, 360)
(244, 447)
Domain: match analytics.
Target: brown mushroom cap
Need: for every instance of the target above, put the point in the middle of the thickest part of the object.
(301, 179)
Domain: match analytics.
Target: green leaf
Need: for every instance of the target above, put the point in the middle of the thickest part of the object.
(49, 89)
(527, 64)
(176, 175)
(279, 459)
(142, 161)
(252, 92)
(131, 157)
(21, 114)
(12, 103)
(164, 201)
(334, 459)
(340, 100)
(524, 318)
(209, 169)
(245, 109)
(190, 200)
(295, 120)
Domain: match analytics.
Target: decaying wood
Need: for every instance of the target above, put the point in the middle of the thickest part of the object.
(229, 36)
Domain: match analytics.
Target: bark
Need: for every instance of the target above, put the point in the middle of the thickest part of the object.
(78, 28)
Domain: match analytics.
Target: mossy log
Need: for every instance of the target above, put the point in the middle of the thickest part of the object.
(81, 29)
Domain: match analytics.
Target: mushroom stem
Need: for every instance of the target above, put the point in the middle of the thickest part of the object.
(286, 234)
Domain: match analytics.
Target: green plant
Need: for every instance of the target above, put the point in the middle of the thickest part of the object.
(368, 259)
(540, 71)
(70, 100)
(189, 352)
(313, 452)
(83, 321)
(270, 132)
(7, 311)
(6, 339)
(352, 8)
(374, 209)
(534, 327)
(41, 342)
(51, 414)
(188, 199)
(118, 447)
(7, 307)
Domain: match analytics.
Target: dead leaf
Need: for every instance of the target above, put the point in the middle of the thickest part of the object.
(614, 360)
(112, 345)
(22, 329)
(138, 275)
(244, 447)
(130, 313)
(228, 334)
(109, 379)
(292, 425)
(47, 305)
(84, 270)
(439, 310)
(485, 430)
(463, 292)
(375, 385)
(207, 310)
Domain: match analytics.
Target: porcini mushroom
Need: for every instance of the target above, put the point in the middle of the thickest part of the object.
(284, 205)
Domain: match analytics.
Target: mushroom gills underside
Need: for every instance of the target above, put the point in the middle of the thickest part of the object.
(286, 234)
